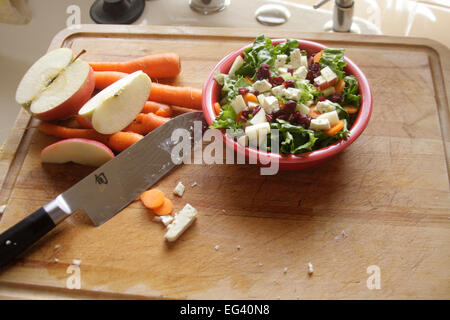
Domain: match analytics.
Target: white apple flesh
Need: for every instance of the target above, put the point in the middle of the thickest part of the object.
(116, 106)
(56, 86)
(81, 151)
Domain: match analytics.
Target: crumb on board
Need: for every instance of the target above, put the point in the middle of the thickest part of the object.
(217, 247)
(260, 264)
(194, 184)
(179, 189)
(285, 270)
(310, 268)
(76, 262)
(2, 208)
(238, 247)
(57, 246)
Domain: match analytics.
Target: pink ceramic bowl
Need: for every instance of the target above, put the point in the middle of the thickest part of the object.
(211, 94)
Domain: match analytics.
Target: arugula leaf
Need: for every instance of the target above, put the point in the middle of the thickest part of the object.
(285, 47)
(294, 139)
(350, 94)
(230, 88)
(226, 119)
(334, 58)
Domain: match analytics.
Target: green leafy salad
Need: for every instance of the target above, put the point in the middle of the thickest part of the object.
(309, 98)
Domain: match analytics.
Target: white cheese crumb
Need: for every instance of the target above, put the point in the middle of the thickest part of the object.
(76, 262)
(285, 270)
(166, 220)
(310, 268)
(217, 247)
(2, 208)
(57, 246)
(181, 222)
(224, 211)
(179, 189)
(56, 260)
(260, 264)
(238, 247)
(344, 234)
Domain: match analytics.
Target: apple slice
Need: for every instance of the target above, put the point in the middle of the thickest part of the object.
(116, 106)
(56, 86)
(81, 151)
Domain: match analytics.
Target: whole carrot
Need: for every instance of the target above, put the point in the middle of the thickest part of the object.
(179, 96)
(119, 141)
(161, 65)
(67, 133)
(160, 109)
(83, 122)
(105, 78)
(145, 123)
(176, 110)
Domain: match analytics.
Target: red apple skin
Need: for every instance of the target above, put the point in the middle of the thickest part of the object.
(71, 106)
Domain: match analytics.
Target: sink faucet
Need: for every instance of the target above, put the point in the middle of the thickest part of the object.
(342, 14)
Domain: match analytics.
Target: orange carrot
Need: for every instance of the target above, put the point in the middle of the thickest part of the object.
(336, 128)
(179, 96)
(145, 122)
(317, 57)
(104, 79)
(165, 209)
(180, 110)
(119, 141)
(250, 97)
(153, 198)
(161, 65)
(351, 109)
(248, 79)
(340, 86)
(217, 108)
(313, 113)
(67, 133)
(157, 108)
(83, 122)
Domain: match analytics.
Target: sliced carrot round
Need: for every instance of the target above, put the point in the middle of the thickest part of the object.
(250, 97)
(317, 57)
(152, 198)
(165, 209)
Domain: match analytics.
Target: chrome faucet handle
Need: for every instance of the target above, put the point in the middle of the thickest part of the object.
(320, 3)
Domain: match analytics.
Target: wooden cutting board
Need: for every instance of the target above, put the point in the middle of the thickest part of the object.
(382, 204)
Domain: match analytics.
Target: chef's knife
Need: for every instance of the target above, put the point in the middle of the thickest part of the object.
(108, 189)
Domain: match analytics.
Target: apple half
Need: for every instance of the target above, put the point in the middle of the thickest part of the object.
(56, 86)
(116, 106)
(81, 151)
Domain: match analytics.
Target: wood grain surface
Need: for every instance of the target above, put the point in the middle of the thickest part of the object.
(384, 201)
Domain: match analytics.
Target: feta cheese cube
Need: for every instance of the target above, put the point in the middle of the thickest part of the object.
(329, 91)
(283, 70)
(332, 117)
(270, 104)
(252, 104)
(302, 108)
(300, 73)
(320, 82)
(278, 90)
(304, 61)
(280, 60)
(261, 99)
(238, 62)
(319, 124)
(309, 103)
(259, 117)
(262, 86)
(328, 75)
(243, 140)
(179, 189)
(166, 220)
(256, 133)
(181, 222)
(325, 106)
(292, 94)
(238, 104)
(295, 58)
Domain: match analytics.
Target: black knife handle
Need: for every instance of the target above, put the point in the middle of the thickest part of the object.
(22, 235)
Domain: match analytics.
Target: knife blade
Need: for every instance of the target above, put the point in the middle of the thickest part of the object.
(107, 190)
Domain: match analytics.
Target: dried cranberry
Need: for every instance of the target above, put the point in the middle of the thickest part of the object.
(245, 113)
(291, 70)
(289, 106)
(277, 113)
(256, 93)
(263, 72)
(243, 91)
(269, 117)
(283, 117)
(276, 81)
(301, 119)
(337, 97)
(321, 98)
(256, 110)
(289, 83)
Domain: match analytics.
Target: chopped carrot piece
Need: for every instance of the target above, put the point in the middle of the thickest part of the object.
(249, 79)
(317, 57)
(313, 113)
(217, 108)
(340, 86)
(153, 198)
(165, 209)
(336, 128)
(250, 97)
(351, 109)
